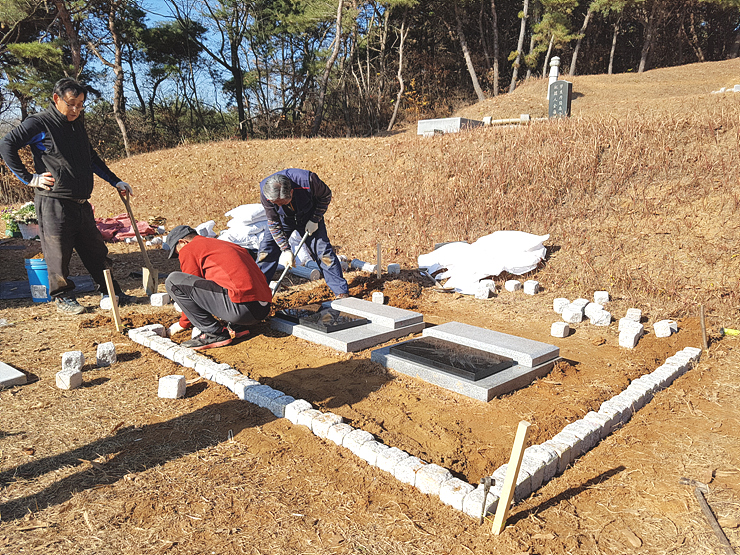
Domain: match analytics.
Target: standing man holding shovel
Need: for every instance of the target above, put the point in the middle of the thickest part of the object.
(293, 200)
(64, 164)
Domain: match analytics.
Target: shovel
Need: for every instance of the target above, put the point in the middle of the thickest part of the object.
(150, 277)
(285, 271)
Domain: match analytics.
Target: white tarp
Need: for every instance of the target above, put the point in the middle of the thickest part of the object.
(515, 252)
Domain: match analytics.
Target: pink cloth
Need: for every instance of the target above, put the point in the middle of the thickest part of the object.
(119, 228)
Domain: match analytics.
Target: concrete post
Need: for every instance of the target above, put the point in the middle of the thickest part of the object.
(554, 73)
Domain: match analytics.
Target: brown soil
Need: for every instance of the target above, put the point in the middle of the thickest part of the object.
(111, 468)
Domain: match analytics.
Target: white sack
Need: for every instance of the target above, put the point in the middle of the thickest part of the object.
(247, 236)
(246, 214)
(206, 229)
(302, 257)
(515, 252)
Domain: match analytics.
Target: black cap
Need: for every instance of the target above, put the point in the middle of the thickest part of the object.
(179, 232)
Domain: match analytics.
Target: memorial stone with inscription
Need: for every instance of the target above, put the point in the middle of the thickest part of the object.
(560, 96)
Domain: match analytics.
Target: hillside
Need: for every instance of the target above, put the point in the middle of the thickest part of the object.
(639, 191)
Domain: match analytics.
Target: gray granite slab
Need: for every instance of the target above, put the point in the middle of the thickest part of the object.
(349, 340)
(526, 352)
(486, 389)
(9, 376)
(380, 314)
(445, 125)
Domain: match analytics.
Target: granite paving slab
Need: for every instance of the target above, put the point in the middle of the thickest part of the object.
(9, 376)
(380, 314)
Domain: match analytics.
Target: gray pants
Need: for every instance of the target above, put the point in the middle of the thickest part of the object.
(204, 302)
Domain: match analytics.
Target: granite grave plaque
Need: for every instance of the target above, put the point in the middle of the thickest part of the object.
(330, 319)
(460, 360)
(295, 314)
(560, 96)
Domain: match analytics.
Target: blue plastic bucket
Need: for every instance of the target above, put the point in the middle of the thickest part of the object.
(38, 279)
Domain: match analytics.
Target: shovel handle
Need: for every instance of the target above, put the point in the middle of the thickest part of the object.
(147, 262)
(285, 271)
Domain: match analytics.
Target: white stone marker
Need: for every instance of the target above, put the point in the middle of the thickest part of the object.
(159, 299)
(559, 304)
(106, 354)
(628, 323)
(634, 314)
(358, 264)
(69, 379)
(378, 297)
(572, 314)
(560, 329)
(601, 297)
(581, 303)
(171, 387)
(531, 287)
(512, 285)
(629, 337)
(592, 309)
(394, 269)
(665, 328)
(73, 360)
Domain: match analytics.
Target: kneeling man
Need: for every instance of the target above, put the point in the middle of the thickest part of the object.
(219, 281)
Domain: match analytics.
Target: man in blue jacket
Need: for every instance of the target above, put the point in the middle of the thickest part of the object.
(64, 163)
(293, 200)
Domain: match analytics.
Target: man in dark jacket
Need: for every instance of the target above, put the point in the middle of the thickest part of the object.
(293, 200)
(64, 163)
(219, 281)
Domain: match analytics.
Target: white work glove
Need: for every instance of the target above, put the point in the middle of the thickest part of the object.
(286, 260)
(174, 329)
(311, 227)
(42, 181)
(124, 188)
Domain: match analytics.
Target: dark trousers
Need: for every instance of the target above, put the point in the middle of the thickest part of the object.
(203, 301)
(66, 226)
(320, 250)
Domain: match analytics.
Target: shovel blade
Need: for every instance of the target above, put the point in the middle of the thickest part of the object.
(150, 281)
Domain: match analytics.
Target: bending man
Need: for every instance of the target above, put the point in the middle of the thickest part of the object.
(219, 281)
(297, 200)
(64, 163)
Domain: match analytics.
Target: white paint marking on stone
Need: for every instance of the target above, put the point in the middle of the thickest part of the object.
(171, 387)
(106, 354)
(559, 329)
(73, 360)
(513, 285)
(69, 379)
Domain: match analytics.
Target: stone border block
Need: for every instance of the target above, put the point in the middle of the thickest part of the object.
(171, 387)
(305, 418)
(601, 297)
(603, 421)
(337, 432)
(295, 408)
(106, 354)
(572, 314)
(473, 502)
(512, 285)
(68, 379)
(262, 395)
(601, 318)
(371, 450)
(581, 303)
(665, 328)
(159, 299)
(354, 440)
(240, 386)
(321, 424)
(73, 360)
(277, 405)
(634, 314)
(629, 337)
(547, 456)
(523, 488)
(592, 309)
(387, 460)
(564, 453)
(531, 287)
(573, 442)
(536, 470)
(430, 477)
(559, 304)
(453, 492)
(560, 329)
(394, 269)
(405, 471)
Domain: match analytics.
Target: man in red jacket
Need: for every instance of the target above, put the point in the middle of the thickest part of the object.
(219, 281)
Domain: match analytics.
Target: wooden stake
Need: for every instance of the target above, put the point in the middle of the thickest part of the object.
(512, 471)
(703, 328)
(379, 268)
(113, 300)
(716, 528)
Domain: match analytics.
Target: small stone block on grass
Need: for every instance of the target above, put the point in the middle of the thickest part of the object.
(171, 387)
(295, 408)
(601, 318)
(394, 269)
(581, 303)
(665, 328)
(572, 314)
(355, 439)
(601, 297)
(634, 314)
(159, 299)
(371, 450)
(106, 354)
(378, 297)
(73, 360)
(592, 309)
(405, 471)
(321, 424)
(513, 285)
(453, 492)
(482, 293)
(560, 329)
(277, 405)
(629, 337)
(69, 379)
(337, 432)
(559, 304)
(531, 287)
(430, 478)
(388, 459)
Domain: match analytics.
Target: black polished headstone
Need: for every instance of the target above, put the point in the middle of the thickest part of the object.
(560, 96)
(462, 361)
(295, 314)
(330, 319)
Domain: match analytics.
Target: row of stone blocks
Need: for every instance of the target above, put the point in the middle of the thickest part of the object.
(540, 463)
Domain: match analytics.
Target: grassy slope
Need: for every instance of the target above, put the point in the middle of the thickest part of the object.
(639, 189)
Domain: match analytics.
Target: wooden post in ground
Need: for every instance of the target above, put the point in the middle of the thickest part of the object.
(379, 268)
(113, 300)
(703, 321)
(512, 471)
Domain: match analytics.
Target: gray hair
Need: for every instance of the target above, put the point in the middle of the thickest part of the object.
(278, 187)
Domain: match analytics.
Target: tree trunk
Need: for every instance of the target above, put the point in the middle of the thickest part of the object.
(74, 39)
(327, 72)
(531, 49)
(547, 56)
(735, 50)
(466, 54)
(614, 46)
(695, 44)
(399, 76)
(519, 46)
(483, 41)
(649, 34)
(581, 34)
(119, 100)
(494, 15)
(236, 73)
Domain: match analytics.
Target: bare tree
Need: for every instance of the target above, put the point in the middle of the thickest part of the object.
(520, 45)
(581, 34)
(327, 71)
(403, 34)
(494, 23)
(466, 54)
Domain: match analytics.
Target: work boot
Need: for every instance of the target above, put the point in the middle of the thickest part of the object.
(68, 305)
(208, 340)
(124, 299)
(237, 330)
